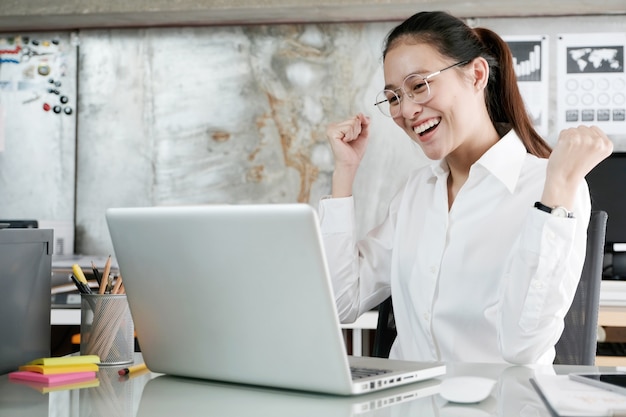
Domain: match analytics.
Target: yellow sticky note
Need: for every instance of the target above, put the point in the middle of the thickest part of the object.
(60, 369)
(66, 360)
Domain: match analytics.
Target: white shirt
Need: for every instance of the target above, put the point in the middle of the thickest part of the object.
(489, 280)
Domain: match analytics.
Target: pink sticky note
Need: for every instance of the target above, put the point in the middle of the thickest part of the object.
(54, 379)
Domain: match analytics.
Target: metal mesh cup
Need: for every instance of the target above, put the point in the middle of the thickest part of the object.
(106, 328)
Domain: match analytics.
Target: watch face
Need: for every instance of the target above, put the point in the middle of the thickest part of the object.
(560, 212)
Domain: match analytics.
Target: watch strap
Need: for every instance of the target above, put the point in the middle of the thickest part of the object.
(539, 205)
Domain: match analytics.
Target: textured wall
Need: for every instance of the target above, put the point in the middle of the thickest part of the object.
(223, 115)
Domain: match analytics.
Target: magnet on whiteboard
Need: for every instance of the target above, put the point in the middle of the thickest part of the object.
(43, 69)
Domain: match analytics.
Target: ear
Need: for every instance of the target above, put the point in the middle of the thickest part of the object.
(479, 72)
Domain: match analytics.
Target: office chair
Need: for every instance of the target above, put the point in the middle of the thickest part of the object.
(577, 345)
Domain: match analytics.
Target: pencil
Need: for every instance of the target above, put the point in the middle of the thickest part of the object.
(105, 276)
(118, 283)
(132, 369)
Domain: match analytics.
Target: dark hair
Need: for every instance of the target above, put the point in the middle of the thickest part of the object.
(451, 37)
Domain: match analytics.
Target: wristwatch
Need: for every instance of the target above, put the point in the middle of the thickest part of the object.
(557, 211)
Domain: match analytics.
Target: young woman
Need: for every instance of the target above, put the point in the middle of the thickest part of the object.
(483, 249)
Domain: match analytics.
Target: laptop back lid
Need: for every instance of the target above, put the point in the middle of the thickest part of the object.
(236, 293)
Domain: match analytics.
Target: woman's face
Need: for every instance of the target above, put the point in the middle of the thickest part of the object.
(450, 115)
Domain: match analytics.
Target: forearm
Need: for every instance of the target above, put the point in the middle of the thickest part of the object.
(560, 193)
(343, 180)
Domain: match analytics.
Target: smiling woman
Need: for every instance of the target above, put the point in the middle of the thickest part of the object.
(470, 244)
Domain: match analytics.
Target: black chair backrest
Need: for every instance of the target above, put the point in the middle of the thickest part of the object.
(577, 345)
(385, 330)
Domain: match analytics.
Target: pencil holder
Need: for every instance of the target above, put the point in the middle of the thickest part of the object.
(106, 328)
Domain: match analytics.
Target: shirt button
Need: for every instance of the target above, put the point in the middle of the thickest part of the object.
(426, 316)
(537, 284)
(551, 235)
(433, 270)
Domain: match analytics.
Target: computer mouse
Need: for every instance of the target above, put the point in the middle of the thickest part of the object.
(466, 389)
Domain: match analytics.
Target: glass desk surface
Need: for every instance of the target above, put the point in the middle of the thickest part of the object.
(153, 395)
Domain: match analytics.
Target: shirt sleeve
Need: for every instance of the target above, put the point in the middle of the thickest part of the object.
(541, 279)
(360, 270)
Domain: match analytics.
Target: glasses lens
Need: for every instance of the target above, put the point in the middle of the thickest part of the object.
(388, 103)
(417, 88)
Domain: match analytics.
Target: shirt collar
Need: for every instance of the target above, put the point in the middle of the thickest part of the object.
(503, 160)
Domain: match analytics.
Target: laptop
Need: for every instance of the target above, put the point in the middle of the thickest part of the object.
(242, 293)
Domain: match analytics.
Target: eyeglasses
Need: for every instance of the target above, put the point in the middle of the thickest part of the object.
(414, 86)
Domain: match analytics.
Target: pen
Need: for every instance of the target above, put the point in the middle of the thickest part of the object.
(78, 273)
(132, 369)
(82, 288)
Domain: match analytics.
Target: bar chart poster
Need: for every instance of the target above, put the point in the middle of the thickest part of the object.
(530, 59)
(591, 86)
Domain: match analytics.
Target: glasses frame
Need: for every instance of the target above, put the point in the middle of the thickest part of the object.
(424, 78)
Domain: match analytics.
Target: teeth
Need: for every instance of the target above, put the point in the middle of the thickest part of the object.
(425, 126)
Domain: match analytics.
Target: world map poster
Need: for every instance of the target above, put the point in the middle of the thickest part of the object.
(592, 81)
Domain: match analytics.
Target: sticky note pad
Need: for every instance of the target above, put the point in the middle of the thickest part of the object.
(60, 369)
(50, 380)
(44, 388)
(66, 360)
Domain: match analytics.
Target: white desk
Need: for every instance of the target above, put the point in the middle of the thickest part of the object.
(65, 316)
(151, 395)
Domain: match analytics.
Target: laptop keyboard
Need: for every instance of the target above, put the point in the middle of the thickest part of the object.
(358, 372)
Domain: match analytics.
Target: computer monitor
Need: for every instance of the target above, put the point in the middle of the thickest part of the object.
(19, 224)
(25, 276)
(607, 186)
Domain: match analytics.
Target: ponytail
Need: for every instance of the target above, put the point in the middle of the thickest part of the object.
(504, 100)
